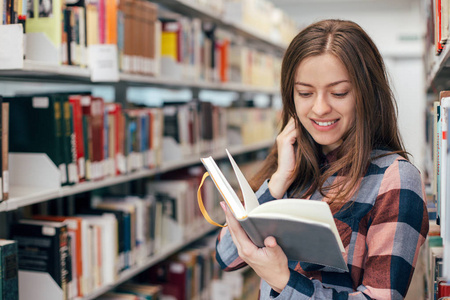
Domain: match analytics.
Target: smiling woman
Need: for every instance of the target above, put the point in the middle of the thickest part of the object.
(339, 143)
(324, 100)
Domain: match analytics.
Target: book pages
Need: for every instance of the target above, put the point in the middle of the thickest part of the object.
(250, 199)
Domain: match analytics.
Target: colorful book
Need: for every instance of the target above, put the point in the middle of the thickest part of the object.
(75, 102)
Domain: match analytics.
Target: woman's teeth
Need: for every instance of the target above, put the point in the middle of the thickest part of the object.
(325, 123)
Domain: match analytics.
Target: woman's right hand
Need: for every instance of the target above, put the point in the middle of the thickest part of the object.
(284, 175)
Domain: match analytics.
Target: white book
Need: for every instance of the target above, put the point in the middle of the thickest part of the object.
(305, 229)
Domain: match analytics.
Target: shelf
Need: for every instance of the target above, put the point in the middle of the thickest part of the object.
(36, 71)
(192, 9)
(438, 78)
(134, 79)
(163, 254)
(24, 196)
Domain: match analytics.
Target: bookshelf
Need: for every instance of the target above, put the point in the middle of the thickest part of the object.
(436, 262)
(38, 71)
(438, 73)
(194, 9)
(163, 254)
(22, 197)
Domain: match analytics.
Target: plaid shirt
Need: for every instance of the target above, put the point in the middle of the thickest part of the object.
(382, 230)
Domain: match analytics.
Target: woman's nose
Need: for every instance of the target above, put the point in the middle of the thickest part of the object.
(321, 106)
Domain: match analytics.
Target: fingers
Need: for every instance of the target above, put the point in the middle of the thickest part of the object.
(242, 242)
(270, 242)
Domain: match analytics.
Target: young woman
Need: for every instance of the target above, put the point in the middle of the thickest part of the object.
(339, 143)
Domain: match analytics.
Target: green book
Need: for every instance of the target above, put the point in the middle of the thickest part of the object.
(67, 141)
(9, 270)
(35, 126)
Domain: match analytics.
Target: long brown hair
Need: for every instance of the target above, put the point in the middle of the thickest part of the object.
(376, 110)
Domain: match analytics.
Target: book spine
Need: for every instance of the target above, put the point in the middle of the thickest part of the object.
(59, 134)
(5, 149)
(9, 272)
(1, 143)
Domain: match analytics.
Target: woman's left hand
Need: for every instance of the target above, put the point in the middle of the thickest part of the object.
(269, 262)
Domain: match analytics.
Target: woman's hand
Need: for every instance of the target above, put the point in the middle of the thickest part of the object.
(284, 175)
(270, 262)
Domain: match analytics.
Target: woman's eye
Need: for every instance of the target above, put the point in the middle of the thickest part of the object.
(340, 95)
(304, 94)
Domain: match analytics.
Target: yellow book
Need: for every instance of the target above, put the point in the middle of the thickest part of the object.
(47, 18)
(169, 44)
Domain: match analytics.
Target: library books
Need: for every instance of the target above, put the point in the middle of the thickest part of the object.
(194, 49)
(44, 31)
(115, 236)
(311, 222)
(241, 128)
(187, 274)
(9, 282)
(85, 140)
(43, 258)
(74, 227)
(176, 193)
(144, 291)
(25, 136)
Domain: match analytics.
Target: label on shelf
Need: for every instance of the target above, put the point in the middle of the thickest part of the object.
(103, 63)
(11, 51)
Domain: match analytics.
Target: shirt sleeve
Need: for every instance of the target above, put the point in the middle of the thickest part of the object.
(396, 228)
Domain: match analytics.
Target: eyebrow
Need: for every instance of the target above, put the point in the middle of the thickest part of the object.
(328, 85)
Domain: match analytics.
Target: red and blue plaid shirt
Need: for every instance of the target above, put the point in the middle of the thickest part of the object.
(382, 229)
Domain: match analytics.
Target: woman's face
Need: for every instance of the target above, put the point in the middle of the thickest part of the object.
(324, 99)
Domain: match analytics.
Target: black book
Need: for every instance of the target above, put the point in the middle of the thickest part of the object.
(43, 247)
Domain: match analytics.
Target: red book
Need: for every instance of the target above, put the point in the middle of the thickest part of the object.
(75, 102)
(116, 146)
(93, 109)
(438, 27)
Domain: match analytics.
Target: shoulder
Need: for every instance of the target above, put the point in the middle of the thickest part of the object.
(400, 197)
(394, 171)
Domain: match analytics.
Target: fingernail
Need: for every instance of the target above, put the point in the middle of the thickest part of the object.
(224, 207)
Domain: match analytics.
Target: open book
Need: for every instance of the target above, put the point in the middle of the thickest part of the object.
(304, 229)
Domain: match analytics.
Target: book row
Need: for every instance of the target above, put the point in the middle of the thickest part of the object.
(192, 273)
(438, 171)
(107, 236)
(87, 138)
(142, 42)
(437, 29)
(115, 234)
